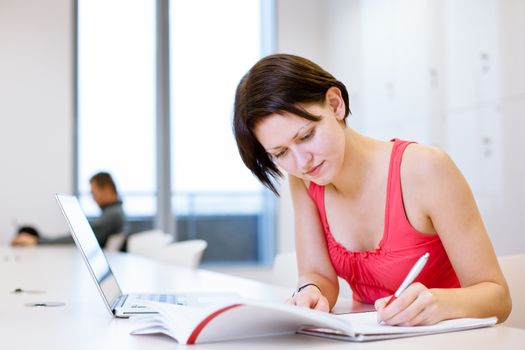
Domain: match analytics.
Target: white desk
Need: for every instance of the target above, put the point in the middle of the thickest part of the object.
(84, 322)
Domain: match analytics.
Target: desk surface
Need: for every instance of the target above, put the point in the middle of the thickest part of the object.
(84, 323)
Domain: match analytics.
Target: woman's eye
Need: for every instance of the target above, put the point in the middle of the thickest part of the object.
(279, 154)
(308, 135)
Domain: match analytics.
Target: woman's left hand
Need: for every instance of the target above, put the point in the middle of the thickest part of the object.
(416, 306)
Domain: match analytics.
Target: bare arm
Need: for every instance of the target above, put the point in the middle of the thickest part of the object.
(313, 262)
(446, 199)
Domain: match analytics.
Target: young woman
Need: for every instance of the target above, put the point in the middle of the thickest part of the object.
(365, 210)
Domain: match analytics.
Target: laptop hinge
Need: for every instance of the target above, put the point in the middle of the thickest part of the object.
(119, 302)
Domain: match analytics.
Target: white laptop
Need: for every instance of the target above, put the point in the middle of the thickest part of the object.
(118, 304)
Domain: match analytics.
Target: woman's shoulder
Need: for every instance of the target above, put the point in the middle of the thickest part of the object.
(428, 176)
(422, 159)
(424, 167)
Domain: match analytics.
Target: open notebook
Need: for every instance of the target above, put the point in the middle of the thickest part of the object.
(246, 318)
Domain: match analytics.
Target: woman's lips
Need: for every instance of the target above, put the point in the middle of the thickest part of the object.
(315, 170)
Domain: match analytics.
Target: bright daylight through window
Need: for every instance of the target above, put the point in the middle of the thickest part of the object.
(214, 197)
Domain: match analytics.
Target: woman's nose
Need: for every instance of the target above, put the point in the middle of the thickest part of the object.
(303, 159)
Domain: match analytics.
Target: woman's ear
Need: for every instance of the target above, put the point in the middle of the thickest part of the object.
(335, 101)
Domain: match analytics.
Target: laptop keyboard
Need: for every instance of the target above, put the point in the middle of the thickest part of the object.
(162, 298)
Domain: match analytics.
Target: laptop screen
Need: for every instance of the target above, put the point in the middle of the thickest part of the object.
(91, 251)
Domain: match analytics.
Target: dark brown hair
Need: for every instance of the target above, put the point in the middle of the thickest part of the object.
(103, 179)
(276, 84)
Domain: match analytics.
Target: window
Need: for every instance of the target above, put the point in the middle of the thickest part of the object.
(212, 43)
(116, 110)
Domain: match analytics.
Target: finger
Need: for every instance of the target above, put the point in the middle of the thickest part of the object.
(381, 303)
(304, 301)
(429, 313)
(380, 306)
(405, 316)
(401, 303)
(415, 313)
(420, 319)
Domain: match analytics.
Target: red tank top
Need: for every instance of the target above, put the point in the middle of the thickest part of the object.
(378, 273)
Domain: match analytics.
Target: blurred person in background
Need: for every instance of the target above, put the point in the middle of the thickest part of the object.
(112, 219)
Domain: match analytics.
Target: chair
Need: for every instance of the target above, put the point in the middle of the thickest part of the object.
(284, 273)
(512, 267)
(148, 243)
(159, 246)
(183, 253)
(115, 242)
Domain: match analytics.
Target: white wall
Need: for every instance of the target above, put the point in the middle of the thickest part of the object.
(446, 73)
(36, 112)
(36, 97)
(507, 218)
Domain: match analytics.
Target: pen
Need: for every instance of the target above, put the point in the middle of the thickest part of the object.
(414, 272)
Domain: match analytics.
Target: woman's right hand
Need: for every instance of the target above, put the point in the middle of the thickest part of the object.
(310, 297)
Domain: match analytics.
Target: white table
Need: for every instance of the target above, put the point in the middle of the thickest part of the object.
(84, 323)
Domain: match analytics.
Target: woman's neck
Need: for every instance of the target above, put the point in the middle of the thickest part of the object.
(360, 158)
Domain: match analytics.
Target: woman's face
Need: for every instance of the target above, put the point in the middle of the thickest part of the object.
(310, 150)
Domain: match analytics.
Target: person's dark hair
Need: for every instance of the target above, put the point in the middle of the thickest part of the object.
(29, 230)
(103, 179)
(276, 84)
